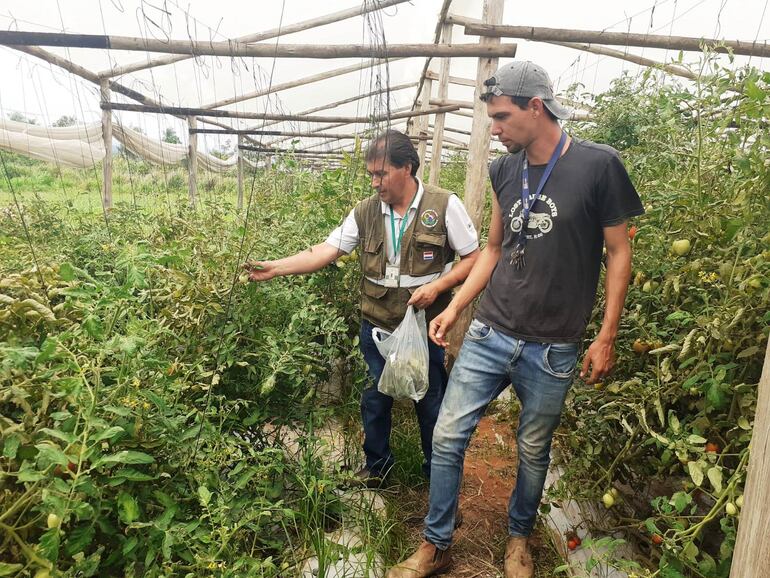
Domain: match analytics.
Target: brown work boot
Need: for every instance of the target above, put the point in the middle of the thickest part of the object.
(518, 560)
(428, 560)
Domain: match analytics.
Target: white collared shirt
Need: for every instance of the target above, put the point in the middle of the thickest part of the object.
(461, 235)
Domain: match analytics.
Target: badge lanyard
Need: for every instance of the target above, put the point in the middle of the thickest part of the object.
(527, 202)
(392, 274)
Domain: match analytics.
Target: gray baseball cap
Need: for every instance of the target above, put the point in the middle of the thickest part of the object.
(527, 79)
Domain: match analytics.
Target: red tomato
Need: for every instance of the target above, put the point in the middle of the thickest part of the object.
(632, 232)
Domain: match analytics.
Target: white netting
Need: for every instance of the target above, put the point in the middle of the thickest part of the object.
(81, 146)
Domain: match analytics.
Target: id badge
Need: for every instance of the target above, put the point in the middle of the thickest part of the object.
(391, 276)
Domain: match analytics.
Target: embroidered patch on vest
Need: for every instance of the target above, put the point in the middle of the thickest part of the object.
(427, 255)
(429, 218)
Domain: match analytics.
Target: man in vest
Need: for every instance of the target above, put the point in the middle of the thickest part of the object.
(557, 202)
(408, 234)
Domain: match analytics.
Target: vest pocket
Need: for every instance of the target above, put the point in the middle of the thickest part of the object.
(428, 253)
(371, 258)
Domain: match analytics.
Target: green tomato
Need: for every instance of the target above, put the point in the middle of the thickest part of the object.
(731, 509)
(54, 521)
(608, 500)
(681, 247)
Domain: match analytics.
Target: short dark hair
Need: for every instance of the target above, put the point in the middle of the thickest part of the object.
(396, 148)
(523, 103)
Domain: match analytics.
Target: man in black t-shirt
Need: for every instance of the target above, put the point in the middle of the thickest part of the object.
(558, 201)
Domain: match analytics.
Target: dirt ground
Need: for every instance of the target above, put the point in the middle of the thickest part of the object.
(490, 473)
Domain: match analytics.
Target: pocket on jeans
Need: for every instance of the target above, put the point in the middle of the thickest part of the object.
(478, 331)
(560, 359)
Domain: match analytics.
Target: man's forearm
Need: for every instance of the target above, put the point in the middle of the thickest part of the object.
(477, 279)
(615, 288)
(307, 261)
(457, 274)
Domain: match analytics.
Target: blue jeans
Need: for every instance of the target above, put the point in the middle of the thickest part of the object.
(541, 374)
(376, 407)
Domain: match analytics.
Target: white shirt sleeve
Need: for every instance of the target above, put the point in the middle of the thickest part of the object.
(345, 237)
(461, 233)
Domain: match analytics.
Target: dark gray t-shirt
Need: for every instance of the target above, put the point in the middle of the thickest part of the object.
(551, 298)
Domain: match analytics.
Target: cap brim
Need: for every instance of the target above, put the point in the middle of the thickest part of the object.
(557, 109)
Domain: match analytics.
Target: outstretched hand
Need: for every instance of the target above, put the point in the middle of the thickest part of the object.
(260, 270)
(599, 359)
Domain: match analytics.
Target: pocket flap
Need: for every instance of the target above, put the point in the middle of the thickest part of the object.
(438, 239)
(373, 290)
(372, 245)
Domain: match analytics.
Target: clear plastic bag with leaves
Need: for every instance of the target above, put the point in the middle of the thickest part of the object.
(405, 374)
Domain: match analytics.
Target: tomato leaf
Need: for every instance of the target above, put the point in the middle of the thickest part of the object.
(128, 509)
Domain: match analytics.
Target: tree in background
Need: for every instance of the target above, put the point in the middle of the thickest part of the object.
(170, 136)
(18, 117)
(66, 120)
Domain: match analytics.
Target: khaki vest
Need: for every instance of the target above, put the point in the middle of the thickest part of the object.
(425, 250)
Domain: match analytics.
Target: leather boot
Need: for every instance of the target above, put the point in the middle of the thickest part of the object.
(428, 560)
(518, 560)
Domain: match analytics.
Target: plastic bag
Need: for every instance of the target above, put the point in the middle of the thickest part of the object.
(406, 357)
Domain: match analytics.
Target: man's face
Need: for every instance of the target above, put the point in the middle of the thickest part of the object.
(389, 181)
(512, 126)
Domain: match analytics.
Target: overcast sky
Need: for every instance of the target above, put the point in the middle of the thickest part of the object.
(41, 91)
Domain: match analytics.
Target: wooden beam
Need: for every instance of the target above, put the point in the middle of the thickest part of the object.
(287, 133)
(436, 38)
(670, 68)
(296, 82)
(452, 79)
(281, 151)
(751, 557)
(478, 158)
(178, 110)
(337, 103)
(192, 160)
(205, 48)
(360, 10)
(540, 34)
(104, 94)
(443, 94)
(422, 126)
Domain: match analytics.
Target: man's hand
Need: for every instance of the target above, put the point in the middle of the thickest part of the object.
(261, 270)
(441, 325)
(424, 296)
(600, 359)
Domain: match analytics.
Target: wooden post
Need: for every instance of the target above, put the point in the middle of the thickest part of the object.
(192, 160)
(478, 159)
(751, 558)
(422, 126)
(104, 93)
(240, 172)
(443, 94)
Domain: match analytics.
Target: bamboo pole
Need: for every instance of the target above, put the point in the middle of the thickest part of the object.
(104, 94)
(178, 110)
(443, 94)
(360, 10)
(536, 33)
(478, 155)
(296, 82)
(205, 48)
(751, 558)
(192, 160)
